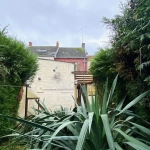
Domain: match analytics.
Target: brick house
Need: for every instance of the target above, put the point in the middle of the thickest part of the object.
(75, 55)
(61, 72)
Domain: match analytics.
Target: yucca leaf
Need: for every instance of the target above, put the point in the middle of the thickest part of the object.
(82, 136)
(143, 129)
(119, 106)
(96, 133)
(104, 102)
(128, 118)
(90, 115)
(62, 126)
(66, 145)
(133, 140)
(137, 147)
(108, 131)
(83, 107)
(73, 130)
(133, 102)
(97, 112)
(27, 122)
(117, 146)
(86, 97)
(112, 90)
(65, 138)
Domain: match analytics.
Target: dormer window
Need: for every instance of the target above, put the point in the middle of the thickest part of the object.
(42, 50)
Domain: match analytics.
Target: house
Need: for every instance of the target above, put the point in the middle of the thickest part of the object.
(62, 70)
(53, 84)
(48, 52)
(75, 55)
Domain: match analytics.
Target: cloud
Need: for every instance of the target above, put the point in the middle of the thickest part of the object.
(46, 21)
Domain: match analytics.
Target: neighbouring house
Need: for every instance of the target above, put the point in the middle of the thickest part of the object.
(53, 84)
(75, 55)
(48, 52)
(62, 70)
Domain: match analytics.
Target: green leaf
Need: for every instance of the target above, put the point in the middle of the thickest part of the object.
(148, 35)
(142, 37)
(117, 146)
(108, 131)
(119, 106)
(83, 107)
(82, 136)
(133, 102)
(129, 118)
(91, 114)
(112, 90)
(133, 140)
(63, 125)
(137, 147)
(104, 102)
(27, 122)
(143, 129)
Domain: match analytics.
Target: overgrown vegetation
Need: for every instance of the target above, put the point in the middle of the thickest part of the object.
(17, 64)
(129, 55)
(89, 127)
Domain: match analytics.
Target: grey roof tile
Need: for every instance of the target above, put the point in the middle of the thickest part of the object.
(69, 52)
(44, 51)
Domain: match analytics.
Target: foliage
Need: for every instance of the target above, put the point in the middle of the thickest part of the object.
(89, 127)
(17, 65)
(130, 39)
(102, 65)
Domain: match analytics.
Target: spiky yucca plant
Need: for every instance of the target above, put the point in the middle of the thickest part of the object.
(88, 127)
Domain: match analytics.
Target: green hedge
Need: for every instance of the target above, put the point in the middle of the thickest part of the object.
(17, 64)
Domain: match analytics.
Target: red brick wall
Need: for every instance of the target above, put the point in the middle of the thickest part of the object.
(80, 64)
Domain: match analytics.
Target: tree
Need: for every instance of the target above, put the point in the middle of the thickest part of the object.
(102, 66)
(17, 64)
(130, 40)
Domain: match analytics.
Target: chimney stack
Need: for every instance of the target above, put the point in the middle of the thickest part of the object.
(57, 44)
(83, 45)
(30, 43)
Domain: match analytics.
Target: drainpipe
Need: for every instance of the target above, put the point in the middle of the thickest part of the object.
(26, 98)
(84, 64)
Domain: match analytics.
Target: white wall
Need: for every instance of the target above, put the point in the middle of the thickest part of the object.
(54, 83)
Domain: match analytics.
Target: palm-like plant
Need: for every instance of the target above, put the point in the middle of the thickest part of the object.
(89, 127)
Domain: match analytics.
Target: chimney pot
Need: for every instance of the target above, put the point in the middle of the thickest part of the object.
(30, 43)
(83, 45)
(57, 44)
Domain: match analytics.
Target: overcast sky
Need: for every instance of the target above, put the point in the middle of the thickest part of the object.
(44, 22)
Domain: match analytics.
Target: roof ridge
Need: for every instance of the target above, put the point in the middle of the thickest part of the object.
(70, 47)
(42, 46)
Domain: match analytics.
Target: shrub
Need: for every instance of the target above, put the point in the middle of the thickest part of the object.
(17, 64)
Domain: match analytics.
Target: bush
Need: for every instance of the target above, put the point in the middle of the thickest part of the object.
(17, 64)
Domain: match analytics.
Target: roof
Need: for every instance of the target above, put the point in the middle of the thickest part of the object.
(44, 51)
(58, 52)
(69, 52)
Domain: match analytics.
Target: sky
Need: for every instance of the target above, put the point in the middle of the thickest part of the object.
(70, 22)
